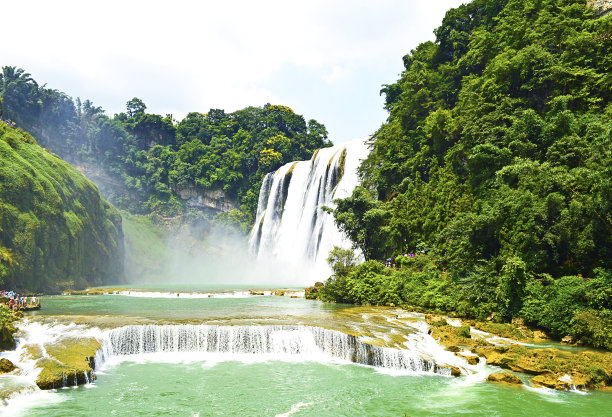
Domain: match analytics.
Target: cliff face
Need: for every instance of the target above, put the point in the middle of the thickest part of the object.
(603, 7)
(55, 229)
(213, 201)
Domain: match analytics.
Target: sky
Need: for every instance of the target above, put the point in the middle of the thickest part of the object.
(326, 59)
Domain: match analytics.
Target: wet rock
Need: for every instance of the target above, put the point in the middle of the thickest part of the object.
(7, 342)
(471, 359)
(70, 362)
(453, 348)
(31, 352)
(256, 293)
(6, 366)
(455, 371)
(504, 377)
(279, 293)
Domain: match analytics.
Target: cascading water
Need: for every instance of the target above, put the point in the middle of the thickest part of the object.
(292, 228)
(271, 342)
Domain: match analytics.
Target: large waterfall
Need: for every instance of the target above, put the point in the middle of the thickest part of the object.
(270, 342)
(292, 229)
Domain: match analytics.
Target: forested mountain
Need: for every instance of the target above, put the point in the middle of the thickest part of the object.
(55, 229)
(148, 159)
(495, 162)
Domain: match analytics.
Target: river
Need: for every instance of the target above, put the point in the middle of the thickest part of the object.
(220, 353)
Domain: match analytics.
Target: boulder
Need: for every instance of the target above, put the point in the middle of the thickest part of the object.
(504, 377)
(471, 359)
(6, 366)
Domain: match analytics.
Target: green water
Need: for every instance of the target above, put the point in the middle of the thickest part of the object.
(181, 308)
(310, 389)
(196, 386)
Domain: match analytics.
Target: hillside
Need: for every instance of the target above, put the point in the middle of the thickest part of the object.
(55, 229)
(494, 166)
(145, 163)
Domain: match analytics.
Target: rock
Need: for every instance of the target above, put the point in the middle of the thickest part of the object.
(453, 348)
(7, 342)
(256, 293)
(6, 366)
(550, 380)
(455, 371)
(568, 340)
(280, 293)
(504, 377)
(70, 363)
(31, 352)
(471, 359)
(213, 200)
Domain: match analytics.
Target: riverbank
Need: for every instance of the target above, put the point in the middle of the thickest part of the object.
(514, 347)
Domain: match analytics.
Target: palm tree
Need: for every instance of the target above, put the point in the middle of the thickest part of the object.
(20, 93)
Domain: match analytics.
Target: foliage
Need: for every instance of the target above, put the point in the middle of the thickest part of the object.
(341, 260)
(149, 159)
(54, 227)
(496, 161)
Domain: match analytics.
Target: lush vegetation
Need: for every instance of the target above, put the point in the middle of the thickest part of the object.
(146, 159)
(55, 229)
(495, 162)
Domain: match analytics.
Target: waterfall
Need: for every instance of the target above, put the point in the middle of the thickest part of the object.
(292, 228)
(287, 342)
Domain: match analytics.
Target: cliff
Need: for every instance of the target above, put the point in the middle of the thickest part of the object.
(603, 7)
(55, 229)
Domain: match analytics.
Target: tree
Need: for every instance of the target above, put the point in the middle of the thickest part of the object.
(135, 107)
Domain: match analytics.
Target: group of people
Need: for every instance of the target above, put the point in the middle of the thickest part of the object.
(16, 301)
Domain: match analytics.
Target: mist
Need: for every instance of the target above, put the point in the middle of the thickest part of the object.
(195, 252)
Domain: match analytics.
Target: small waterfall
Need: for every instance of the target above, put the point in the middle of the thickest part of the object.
(297, 342)
(292, 226)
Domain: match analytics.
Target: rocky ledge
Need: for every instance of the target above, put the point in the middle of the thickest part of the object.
(549, 367)
(67, 363)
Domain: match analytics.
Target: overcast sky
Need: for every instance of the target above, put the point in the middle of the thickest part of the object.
(326, 59)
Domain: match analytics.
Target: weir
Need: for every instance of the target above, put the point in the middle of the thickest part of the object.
(292, 342)
(292, 226)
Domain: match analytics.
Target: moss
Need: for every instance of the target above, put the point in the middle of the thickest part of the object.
(550, 366)
(6, 366)
(464, 331)
(314, 156)
(70, 362)
(7, 329)
(341, 164)
(504, 377)
(53, 222)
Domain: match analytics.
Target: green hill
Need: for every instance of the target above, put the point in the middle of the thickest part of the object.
(55, 229)
(495, 166)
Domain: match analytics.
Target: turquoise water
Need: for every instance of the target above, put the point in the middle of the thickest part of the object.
(307, 389)
(182, 308)
(202, 385)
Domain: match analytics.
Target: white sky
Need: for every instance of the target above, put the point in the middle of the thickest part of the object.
(326, 59)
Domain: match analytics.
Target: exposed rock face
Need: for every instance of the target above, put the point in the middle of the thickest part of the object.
(504, 377)
(603, 7)
(207, 200)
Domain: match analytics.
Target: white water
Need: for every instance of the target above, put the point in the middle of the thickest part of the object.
(290, 343)
(291, 228)
(210, 344)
